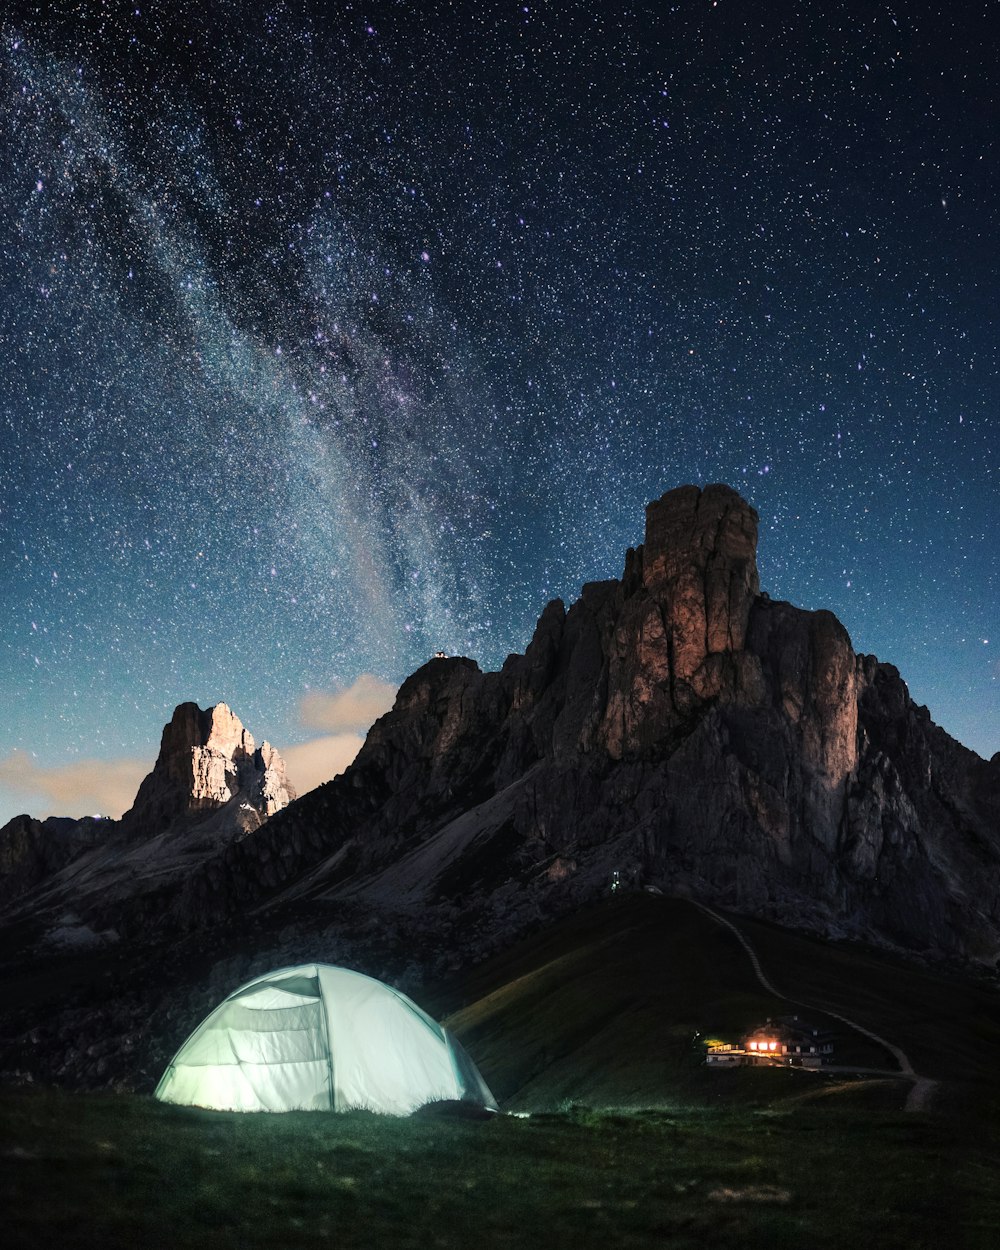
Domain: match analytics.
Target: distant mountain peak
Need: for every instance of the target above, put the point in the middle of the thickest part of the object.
(208, 761)
(210, 785)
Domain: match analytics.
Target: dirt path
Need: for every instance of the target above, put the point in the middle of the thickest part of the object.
(922, 1087)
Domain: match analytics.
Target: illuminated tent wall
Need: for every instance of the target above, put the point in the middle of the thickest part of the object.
(320, 1038)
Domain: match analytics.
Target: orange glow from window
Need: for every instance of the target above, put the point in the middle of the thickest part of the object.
(772, 1045)
(753, 1045)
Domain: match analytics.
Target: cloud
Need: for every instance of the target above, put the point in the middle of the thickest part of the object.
(83, 788)
(346, 716)
(354, 709)
(108, 787)
(311, 763)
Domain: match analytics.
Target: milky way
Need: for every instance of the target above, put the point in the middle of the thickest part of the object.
(333, 336)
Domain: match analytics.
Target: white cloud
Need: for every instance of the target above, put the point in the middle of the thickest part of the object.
(355, 708)
(311, 763)
(82, 788)
(346, 715)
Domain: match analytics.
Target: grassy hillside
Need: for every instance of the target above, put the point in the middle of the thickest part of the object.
(608, 1008)
(949, 1026)
(118, 1171)
(611, 1006)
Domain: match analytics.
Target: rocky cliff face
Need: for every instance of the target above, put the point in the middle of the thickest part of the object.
(209, 786)
(207, 765)
(676, 727)
(31, 850)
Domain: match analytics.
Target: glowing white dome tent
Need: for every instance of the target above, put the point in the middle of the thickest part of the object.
(317, 1038)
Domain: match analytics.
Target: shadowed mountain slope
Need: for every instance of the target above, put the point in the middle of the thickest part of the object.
(611, 1007)
(209, 785)
(676, 727)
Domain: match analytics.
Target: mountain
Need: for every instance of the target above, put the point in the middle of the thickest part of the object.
(31, 850)
(209, 774)
(210, 785)
(676, 729)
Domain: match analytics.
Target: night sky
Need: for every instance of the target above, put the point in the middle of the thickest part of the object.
(335, 334)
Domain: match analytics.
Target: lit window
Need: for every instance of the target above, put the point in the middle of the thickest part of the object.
(752, 1045)
(772, 1045)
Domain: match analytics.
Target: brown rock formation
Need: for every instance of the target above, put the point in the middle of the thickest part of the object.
(209, 786)
(208, 762)
(687, 597)
(675, 726)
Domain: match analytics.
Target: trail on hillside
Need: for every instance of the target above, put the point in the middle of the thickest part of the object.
(922, 1087)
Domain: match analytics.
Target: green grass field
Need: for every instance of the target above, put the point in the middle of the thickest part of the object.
(90, 1170)
(949, 1026)
(611, 1007)
(596, 1026)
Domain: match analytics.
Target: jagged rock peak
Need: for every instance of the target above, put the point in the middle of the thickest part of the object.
(676, 727)
(216, 728)
(208, 761)
(701, 547)
(714, 518)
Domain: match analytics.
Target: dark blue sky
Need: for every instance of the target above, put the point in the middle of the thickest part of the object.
(334, 334)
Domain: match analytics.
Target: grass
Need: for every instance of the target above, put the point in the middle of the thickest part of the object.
(949, 1026)
(87, 1170)
(611, 1007)
(594, 1024)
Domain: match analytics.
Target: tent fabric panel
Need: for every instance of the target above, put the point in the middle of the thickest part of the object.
(428, 1021)
(229, 1037)
(220, 1089)
(333, 980)
(302, 981)
(281, 976)
(249, 1087)
(274, 1019)
(292, 1046)
(291, 1086)
(267, 997)
(385, 1058)
(473, 1087)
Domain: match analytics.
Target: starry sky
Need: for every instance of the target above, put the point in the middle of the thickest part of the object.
(335, 334)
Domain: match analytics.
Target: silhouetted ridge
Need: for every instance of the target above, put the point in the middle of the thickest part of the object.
(676, 727)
